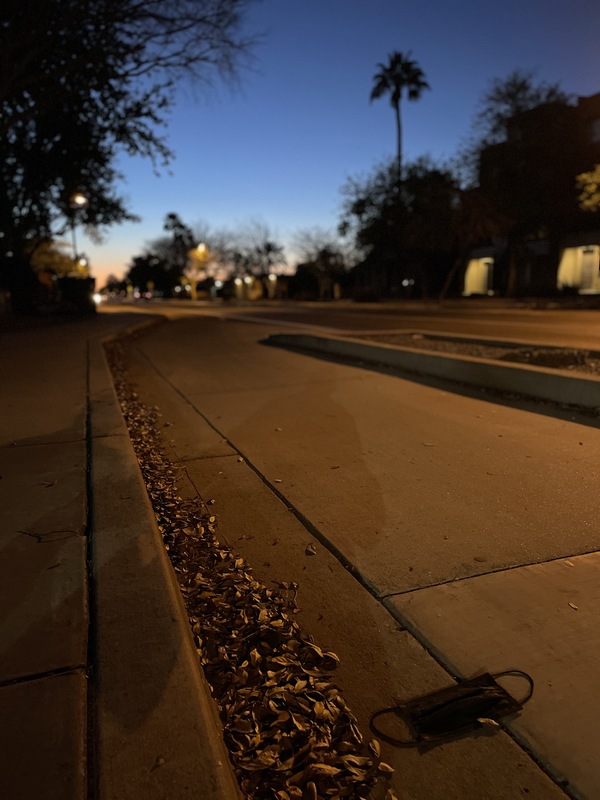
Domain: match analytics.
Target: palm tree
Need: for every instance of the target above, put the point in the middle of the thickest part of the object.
(399, 74)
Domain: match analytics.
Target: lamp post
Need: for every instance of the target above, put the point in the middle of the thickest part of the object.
(76, 201)
(199, 256)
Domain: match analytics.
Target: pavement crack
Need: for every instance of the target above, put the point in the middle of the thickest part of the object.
(50, 673)
(191, 459)
(49, 536)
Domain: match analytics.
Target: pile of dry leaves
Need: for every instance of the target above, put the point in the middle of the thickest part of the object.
(287, 727)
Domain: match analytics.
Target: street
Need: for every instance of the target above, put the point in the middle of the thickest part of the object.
(434, 515)
(561, 327)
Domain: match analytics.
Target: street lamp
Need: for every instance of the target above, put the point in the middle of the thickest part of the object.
(76, 201)
(198, 258)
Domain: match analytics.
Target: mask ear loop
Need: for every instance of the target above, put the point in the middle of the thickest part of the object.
(384, 736)
(518, 673)
(415, 743)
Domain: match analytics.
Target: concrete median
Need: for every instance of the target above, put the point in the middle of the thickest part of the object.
(529, 381)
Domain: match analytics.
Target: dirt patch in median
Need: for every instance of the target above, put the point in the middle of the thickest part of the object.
(565, 359)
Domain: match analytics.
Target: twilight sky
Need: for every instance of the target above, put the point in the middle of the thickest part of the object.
(279, 147)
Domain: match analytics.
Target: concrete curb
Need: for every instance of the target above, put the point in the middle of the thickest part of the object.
(156, 728)
(533, 382)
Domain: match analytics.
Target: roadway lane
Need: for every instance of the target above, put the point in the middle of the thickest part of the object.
(559, 327)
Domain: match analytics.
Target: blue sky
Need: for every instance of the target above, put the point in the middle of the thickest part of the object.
(278, 148)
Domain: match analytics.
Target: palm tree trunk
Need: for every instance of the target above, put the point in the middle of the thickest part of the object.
(399, 144)
(511, 287)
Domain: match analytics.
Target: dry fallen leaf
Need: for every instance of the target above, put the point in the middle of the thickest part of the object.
(375, 747)
(311, 791)
(488, 722)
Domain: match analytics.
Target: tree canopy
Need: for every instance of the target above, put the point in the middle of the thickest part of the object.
(81, 81)
(588, 185)
(508, 97)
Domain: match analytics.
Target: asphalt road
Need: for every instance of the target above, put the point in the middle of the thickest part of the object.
(561, 327)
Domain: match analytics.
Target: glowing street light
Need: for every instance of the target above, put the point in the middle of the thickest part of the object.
(78, 200)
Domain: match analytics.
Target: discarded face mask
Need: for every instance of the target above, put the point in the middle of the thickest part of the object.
(470, 705)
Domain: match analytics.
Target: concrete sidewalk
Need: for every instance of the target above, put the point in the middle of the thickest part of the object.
(100, 692)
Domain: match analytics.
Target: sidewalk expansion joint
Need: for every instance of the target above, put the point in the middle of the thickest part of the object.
(335, 552)
(498, 570)
(450, 668)
(92, 628)
(108, 435)
(44, 443)
(38, 676)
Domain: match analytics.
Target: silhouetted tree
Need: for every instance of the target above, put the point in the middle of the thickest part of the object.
(588, 186)
(404, 232)
(508, 97)
(163, 260)
(55, 257)
(400, 75)
(322, 260)
(81, 81)
(149, 271)
(113, 284)
(261, 250)
(181, 243)
(504, 99)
